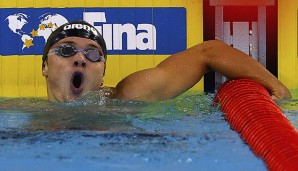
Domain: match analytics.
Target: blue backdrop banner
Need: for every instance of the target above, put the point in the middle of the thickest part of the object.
(24, 31)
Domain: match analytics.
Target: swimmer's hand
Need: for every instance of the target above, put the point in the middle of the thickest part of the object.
(280, 92)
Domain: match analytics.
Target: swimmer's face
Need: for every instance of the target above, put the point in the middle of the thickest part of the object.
(69, 78)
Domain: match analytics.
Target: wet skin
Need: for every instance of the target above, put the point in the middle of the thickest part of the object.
(68, 79)
(173, 76)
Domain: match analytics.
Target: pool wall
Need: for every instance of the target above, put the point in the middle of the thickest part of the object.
(173, 21)
(20, 59)
(287, 42)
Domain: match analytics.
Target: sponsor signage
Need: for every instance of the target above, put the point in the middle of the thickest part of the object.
(24, 31)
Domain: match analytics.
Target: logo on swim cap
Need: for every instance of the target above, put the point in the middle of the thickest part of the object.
(80, 26)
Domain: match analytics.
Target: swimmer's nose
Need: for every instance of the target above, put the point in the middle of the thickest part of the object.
(80, 60)
(79, 63)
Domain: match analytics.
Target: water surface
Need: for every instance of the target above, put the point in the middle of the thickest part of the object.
(186, 133)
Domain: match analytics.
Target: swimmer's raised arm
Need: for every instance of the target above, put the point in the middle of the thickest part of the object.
(183, 70)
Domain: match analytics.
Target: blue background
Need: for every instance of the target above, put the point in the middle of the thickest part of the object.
(170, 24)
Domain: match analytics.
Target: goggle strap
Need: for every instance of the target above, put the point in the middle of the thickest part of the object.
(59, 51)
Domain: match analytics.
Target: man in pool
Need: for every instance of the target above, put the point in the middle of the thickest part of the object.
(74, 62)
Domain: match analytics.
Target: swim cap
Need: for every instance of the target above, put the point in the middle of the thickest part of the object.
(77, 28)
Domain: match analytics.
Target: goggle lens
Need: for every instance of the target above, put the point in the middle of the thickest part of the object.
(93, 55)
(67, 51)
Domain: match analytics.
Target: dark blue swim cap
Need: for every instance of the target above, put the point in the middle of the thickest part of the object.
(77, 28)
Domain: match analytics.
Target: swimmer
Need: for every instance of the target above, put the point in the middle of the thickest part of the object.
(75, 56)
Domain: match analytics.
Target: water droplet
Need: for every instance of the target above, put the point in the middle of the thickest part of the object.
(188, 160)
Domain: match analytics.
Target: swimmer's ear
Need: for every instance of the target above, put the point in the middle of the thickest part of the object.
(101, 84)
(45, 69)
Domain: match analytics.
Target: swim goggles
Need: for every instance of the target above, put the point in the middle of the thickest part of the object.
(67, 50)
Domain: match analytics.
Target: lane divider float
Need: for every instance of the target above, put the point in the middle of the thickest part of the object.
(251, 112)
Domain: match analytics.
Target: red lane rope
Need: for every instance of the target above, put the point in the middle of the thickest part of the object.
(250, 111)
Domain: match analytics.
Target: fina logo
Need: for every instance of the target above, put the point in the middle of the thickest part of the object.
(145, 39)
(127, 31)
(140, 37)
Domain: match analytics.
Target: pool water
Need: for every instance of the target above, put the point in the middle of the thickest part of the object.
(186, 133)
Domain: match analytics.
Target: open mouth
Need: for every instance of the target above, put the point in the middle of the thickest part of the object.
(76, 83)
